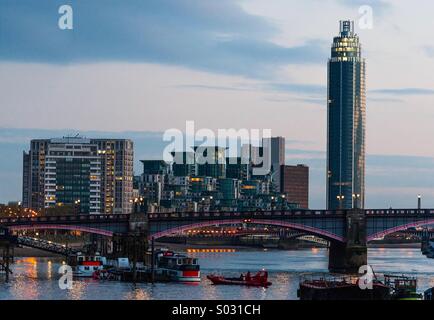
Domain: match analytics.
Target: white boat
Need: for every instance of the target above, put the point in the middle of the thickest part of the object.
(84, 266)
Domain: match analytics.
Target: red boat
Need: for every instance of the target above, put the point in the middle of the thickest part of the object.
(258, 280)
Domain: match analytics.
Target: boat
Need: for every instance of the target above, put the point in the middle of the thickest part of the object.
(104, 275)
(403, 287)
(176, 266)
(339, 287)
(258, 280)
(84, 266)
(429, 294)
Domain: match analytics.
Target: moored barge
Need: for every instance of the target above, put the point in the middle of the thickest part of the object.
(334, 287)
(342, 287)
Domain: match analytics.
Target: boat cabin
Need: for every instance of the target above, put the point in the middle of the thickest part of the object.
(176, 261)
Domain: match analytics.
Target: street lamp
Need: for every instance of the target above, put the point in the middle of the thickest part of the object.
(283, 201)
(340, 199)
(272, 203)
(356, 197)
(77, 205)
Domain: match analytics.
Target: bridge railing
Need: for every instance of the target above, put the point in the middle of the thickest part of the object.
(104, 218)
(403, 212)
(286, 213)
(65, 219)
(243, 214)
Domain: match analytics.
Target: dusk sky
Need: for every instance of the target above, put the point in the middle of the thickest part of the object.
(135, 68)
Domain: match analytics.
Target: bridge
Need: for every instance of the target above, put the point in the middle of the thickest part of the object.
(100, 224)
(330, 225)
(348, 231)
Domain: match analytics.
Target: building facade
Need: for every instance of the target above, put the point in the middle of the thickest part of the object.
(295, 184)
(90, 175)
(117, 160)
(211, 162)
(276, 151)
(72, 175)
(184, 164)
(346, 121)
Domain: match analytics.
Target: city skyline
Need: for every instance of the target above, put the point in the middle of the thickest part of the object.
(149, 146)
(294, 89)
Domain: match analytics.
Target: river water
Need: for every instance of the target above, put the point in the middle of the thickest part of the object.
(37, 278)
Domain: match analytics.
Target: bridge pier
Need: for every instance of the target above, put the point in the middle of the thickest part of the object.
(349, 256)
(134, 244)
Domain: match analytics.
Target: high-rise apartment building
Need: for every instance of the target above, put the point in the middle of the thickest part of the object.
(94, 175)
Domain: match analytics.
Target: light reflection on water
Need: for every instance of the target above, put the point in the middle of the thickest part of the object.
(37, 278)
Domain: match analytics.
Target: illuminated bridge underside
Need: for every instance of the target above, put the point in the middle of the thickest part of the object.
(62, 227)
(327, 224)
(379, 228)
(330, 229)
(101, 224)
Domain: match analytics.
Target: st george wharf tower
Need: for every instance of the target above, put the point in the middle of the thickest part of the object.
(346, 121)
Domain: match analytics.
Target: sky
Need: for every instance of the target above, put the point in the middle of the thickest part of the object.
(135, 69)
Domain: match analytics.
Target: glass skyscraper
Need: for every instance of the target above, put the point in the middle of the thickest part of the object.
(346, 121)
